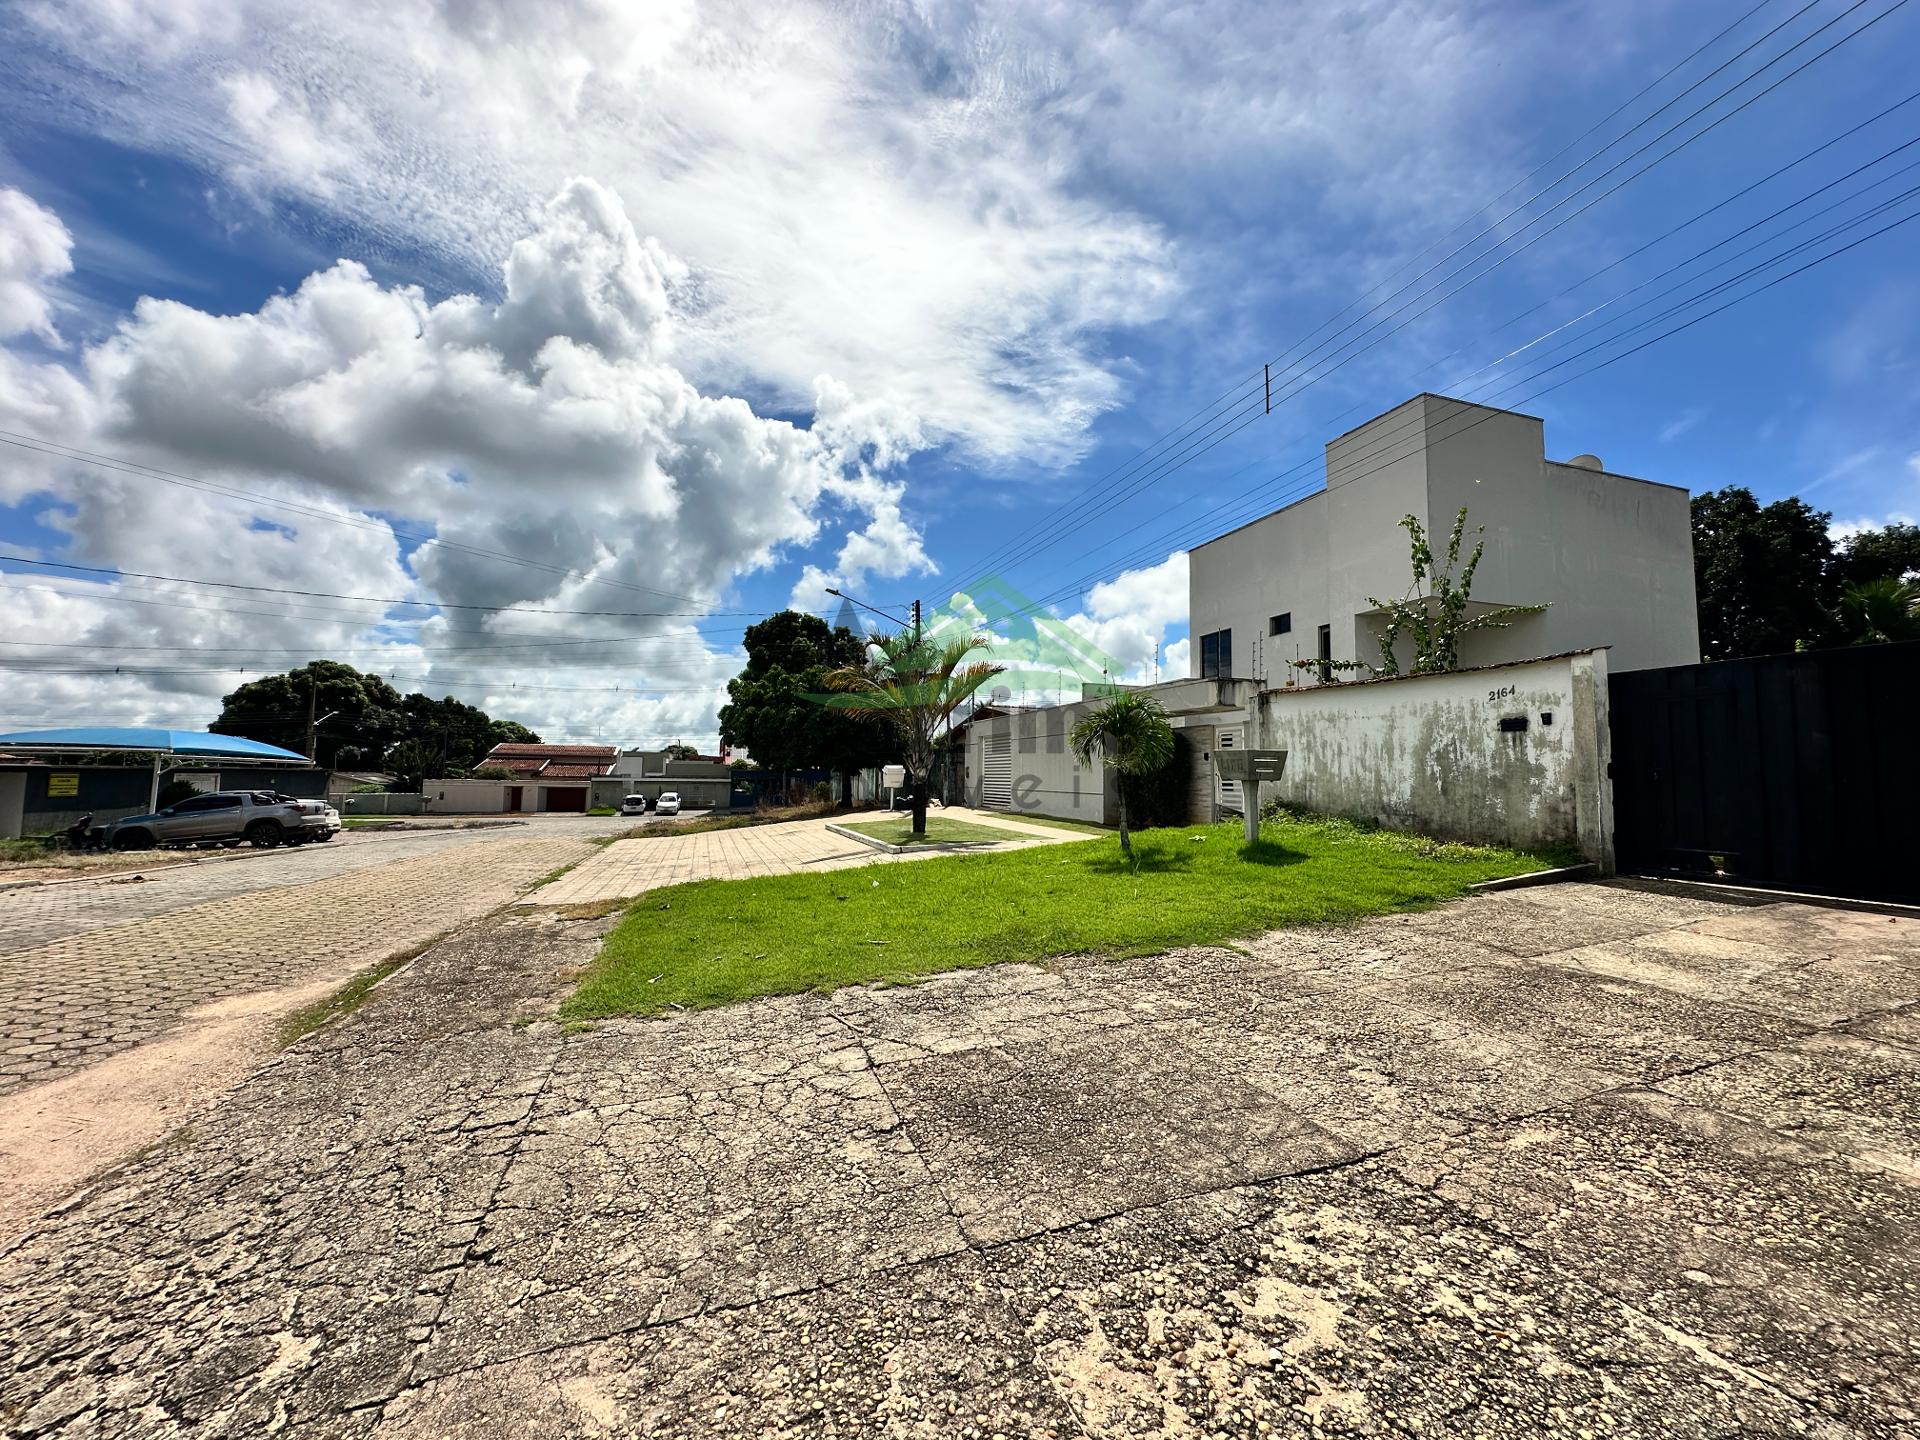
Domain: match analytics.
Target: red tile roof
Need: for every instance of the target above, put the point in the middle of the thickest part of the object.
(552, 771)
(515, 750)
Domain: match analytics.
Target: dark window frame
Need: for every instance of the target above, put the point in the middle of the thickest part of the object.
(1281, 624)
(1216, 655)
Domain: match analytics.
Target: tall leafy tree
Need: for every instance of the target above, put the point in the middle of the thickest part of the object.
(1131, 734)
(368, 719)
(773, 710)
(1892, 553)
(1765, 575)
(365, 711)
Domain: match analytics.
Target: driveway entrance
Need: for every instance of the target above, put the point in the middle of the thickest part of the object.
(1790, 771)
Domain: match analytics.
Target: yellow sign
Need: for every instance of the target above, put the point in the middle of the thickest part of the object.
(63, 784)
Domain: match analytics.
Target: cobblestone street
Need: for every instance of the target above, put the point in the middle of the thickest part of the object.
(125, 1003)
(89, 968)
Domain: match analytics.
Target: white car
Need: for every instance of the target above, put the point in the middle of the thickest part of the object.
(634, 805)
(668, 804)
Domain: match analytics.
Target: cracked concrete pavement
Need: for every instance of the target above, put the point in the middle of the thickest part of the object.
(1587, 1161)
(125, 1002)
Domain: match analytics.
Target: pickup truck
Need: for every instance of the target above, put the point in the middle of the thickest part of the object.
(261, 818)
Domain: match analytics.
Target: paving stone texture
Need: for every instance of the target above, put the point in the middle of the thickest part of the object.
(91, 969)
(1584, 1161)
(628, 868)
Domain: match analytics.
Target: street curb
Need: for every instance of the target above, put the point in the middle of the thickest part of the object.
(950, 847)
(1536, 877)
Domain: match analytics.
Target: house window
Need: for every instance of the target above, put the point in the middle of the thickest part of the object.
(1216, 655)
(1326, 654)
(1280, 624)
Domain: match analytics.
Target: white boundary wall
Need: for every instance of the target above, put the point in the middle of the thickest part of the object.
(1429, 753)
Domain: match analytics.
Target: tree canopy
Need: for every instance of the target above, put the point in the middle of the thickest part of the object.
(770, 714)
(1770, 578)
(371, 723)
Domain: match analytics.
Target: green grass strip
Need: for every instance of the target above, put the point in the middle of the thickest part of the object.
(713, 942)
(940, 831)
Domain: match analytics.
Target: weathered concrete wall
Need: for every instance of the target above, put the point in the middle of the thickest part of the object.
(390, 803)
(473, 797)
(1430, 753)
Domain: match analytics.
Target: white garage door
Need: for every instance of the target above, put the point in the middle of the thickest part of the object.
(996, 780)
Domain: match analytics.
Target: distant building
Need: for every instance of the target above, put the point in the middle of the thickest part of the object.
(1611, 555)
(544, 777)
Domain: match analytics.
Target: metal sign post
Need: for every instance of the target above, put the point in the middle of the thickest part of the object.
(1250, 767)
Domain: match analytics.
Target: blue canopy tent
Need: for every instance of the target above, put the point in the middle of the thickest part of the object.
(139, 739)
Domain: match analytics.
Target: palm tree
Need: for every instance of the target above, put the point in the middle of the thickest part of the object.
(1130, 732)
(913, 682)
(1877, 611)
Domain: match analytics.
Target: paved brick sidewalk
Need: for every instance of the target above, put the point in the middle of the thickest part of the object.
(632, 867)
(95, 991)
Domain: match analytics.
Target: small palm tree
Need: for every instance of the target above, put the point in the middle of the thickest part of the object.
(1130, 732)
(914, 683)
(1877, 611)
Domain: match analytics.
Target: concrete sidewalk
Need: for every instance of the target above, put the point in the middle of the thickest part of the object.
(627, 868)
(1581, 1161)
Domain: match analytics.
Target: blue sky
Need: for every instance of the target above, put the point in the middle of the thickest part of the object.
(687, 312)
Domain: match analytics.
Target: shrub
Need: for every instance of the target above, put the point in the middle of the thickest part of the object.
(1163, 797)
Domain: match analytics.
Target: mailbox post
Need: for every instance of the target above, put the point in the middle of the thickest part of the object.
(1250, 767)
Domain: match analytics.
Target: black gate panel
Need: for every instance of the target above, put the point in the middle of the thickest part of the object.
(1794, 771)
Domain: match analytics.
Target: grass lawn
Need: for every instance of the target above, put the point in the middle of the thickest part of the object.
(713, 942)
(1054, 822)
(940, 831)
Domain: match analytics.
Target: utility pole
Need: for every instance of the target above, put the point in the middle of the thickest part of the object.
(313, 726)
(916, 622)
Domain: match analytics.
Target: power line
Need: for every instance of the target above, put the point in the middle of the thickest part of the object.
(375, 599)
(1246, 411)
(1353, 470)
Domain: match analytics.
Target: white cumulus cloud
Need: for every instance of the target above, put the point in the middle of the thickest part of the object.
(551, 425)
(35, 252)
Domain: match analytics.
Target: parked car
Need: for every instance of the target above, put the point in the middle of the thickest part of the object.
(668, 804)
(261, 818)
(634, 805)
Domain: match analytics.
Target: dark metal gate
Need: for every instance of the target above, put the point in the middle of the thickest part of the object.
(1798, 772)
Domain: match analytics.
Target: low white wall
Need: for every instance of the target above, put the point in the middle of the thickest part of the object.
(1428, 753)
(378, 803)
(474, 797)
(1046, 778)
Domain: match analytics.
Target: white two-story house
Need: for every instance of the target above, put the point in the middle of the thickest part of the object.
(1610, 555)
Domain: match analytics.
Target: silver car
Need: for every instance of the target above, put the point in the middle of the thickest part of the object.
(261, 818)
